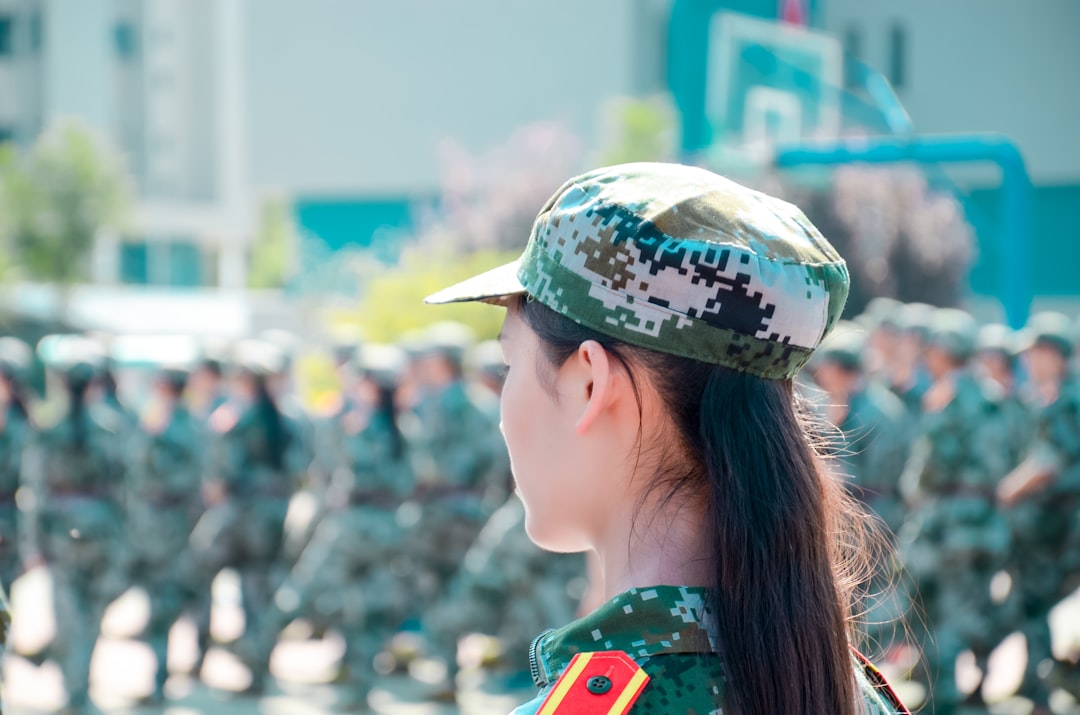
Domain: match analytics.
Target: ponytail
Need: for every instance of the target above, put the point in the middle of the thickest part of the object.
(782, 622)
(781, 590)
(77, 388)
(273, 425)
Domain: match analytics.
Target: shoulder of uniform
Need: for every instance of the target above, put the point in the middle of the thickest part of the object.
(879, 683)
(602, 682)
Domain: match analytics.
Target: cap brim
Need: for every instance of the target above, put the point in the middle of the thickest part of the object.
(488, 287)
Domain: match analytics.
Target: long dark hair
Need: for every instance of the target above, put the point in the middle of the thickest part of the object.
(783, 578)
(386, 406)
(272, 423)
(77, 383)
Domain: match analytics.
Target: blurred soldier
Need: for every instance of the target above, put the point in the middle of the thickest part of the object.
(997, 360)
(16, 430)
(507, 586)
(453, 454)
(908, 377)
(74, 473)
(881, 321)
(249, 493)
(1043, 497)
(351, 573)
(956, 540)
(164, 504)
(874, 425)
(206, 392)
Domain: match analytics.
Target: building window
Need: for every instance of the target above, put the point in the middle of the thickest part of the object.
(185, 264)
(898, 56)
(134, 263)
(125, 40)
(6, 41)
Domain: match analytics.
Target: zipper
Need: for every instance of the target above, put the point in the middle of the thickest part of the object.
(534, 660)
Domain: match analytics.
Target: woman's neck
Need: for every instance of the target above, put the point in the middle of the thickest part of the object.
(655, 545)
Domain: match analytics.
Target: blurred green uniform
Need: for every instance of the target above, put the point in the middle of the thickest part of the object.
(1045, 562)
(245, 531)
(15, 433)
(164, 504)
(74, 471)
(507, 587)
(351, 574)
(956, 539)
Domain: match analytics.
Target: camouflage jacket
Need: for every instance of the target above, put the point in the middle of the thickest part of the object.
(1056, 446)
(15, 432)
(877, 434)
(964, 448)
(452, 440)
(665, 630)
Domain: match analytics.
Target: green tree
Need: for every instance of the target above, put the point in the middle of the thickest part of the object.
(275, 245)
(70, 185)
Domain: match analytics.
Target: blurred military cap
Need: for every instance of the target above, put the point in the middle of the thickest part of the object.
(881, 312)
(1050, 328)
(679, 260)
(954, 331)
(845, 345)
(998, 338)
(915, 319)
(448, 338)
(382, 363)
(486, 356)
(257, 357)
(16, 357)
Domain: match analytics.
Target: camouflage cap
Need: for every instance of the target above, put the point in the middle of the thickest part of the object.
(845, 346)
(997, 338)
(679, 260)
(1049, 328)
(383, 364)
(16, 357)
(954, 331)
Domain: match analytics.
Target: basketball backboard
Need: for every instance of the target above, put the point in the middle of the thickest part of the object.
(770, 82)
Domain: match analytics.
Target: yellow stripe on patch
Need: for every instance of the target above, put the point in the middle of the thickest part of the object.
(565, 683)
(629, 693)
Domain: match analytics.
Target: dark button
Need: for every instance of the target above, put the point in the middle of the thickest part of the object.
(598, 685)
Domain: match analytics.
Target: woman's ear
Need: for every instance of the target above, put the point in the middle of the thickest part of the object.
(598, 383)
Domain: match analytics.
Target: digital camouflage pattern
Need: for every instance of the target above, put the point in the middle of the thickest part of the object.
(956, 539)
(15, 433)
(164, 503)
(346, 577)
(245, 531)
(877, 434)
(507, 587)
(74, 471)
(612, 248)
(666, 630)
(1045, 562)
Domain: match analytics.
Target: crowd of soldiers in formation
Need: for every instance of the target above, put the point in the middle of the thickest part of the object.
(964, 439)
(394, 512)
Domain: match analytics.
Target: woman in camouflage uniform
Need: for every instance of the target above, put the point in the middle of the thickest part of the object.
(164, 504)
(244, 524)
(351, 574)
(16, 430)
(654, 325)
(74, 473)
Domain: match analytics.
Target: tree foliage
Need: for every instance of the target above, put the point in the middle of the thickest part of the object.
(273, 253)
(57, 196)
